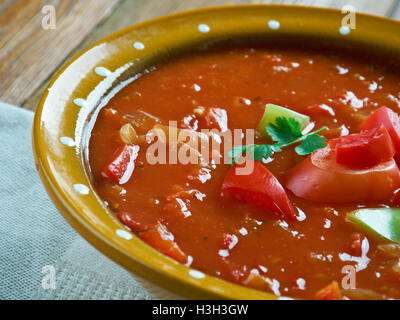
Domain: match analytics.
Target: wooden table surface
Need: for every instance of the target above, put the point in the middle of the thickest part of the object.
(30, 54)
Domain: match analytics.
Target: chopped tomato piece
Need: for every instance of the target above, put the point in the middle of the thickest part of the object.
(114, 117)
(330, 292)
(333, 133)
(356, 244)
(162, 240)
(121, 168)
(320, 178)
(141, 121)
(177, 208)
(260, 187)
(229, 241)
(182, 194)
(320, 110)
(177, 205)
(214, 118)
(389, 119)
(232, 270)
(190, 122)
(365, 149)
(396, 198)
(137, 221)
(299, 283)
(257, 281)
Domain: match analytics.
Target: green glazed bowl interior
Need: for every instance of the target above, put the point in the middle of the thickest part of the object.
(69, 105)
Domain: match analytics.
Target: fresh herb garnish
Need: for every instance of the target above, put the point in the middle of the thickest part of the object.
(311, 143)
(285, 132)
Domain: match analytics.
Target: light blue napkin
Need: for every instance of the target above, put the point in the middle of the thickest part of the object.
(34, 238)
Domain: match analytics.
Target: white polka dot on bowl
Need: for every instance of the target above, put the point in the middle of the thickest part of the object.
(81, 188)
(203, 28)
(196, 274)
(80, 102)
(138, 45)
(344, 30)
(103, 72)
(69, 142)
(124, 234)
(274, 25)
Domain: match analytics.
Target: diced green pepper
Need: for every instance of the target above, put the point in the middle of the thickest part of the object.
(273, 111)
(382, 221)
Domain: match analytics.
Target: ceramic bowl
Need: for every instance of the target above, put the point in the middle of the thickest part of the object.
(69, 105)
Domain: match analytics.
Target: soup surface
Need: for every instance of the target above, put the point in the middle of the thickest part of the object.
(181, 209)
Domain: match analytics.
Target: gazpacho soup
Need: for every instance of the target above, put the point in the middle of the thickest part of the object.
(271, 167)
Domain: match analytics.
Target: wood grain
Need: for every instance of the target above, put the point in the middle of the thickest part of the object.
(381, 7)
(132, 11)
(126, 14)
(29, 54)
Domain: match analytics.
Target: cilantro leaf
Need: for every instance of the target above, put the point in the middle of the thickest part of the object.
(284, 130)
(261, 151)
(276, 147)
(311, 143)
(236, 152)
(258, 152)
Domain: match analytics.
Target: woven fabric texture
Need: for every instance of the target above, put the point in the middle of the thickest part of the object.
(33, 234)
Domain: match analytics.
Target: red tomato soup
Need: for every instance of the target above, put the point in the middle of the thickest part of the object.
(299, 225)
